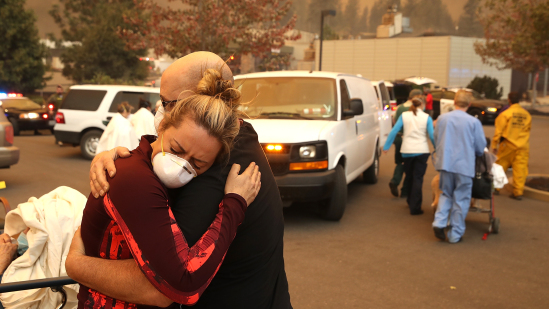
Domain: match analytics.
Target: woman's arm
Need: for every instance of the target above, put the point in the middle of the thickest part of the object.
(431, 130)
(157, 244)
(392, 135)
(119, 279)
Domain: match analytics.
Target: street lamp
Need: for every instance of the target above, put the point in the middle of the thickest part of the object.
(322, 14)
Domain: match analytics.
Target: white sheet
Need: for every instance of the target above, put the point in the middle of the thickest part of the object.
(52, 219)
(119, 132)
(143, 123)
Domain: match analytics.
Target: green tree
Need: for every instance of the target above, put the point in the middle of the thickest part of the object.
(329, 33)
(516, 33)
(21, 54)
(315, 7)
(299, 9)
(222, 27)
(102, 54)
(428, 15)
(488, 86)
(363, 22)
(468, 23)
(351, 18)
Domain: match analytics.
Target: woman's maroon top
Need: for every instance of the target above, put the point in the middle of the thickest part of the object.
(134, 220)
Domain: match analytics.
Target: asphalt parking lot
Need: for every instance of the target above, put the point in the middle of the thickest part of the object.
(377, 256)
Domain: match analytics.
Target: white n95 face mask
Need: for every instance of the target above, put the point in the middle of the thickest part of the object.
(158, 117)
(173, 171)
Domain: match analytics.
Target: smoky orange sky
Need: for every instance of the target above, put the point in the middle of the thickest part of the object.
(46, 25)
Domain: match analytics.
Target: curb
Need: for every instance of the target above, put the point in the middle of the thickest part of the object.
(538, 113)
(530, 192)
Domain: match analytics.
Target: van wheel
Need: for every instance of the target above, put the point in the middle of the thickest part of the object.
(15, 126)
(88, 143)
(333, 208)
(370, 175)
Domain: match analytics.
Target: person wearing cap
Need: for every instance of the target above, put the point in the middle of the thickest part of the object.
(56, 98)
(399, 161)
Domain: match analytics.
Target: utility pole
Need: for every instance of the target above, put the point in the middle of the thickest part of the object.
(322, 14)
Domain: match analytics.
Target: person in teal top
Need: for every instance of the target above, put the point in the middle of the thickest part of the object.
(399, 168)
(417, 128)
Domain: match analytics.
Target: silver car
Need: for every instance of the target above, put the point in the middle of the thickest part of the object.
(9, 154)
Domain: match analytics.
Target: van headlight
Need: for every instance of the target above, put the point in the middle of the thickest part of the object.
(492, 109)
(307, 152)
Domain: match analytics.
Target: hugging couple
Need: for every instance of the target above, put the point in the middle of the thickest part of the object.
(175, 223)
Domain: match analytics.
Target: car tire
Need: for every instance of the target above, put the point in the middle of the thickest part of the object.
(15, 126)
(477, 113)
(333, 208)
(370, 175)
(88, 143)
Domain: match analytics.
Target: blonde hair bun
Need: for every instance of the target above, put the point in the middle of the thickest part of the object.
(212, 84)
(213, 106)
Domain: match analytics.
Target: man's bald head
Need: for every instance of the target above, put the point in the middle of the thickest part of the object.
(185, 73)
(463, 98)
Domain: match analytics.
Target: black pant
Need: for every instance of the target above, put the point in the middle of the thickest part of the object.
(415, 168)
(399, 168)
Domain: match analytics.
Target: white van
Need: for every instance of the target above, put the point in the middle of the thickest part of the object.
(319, 131)
(385, 100)
(87, 109)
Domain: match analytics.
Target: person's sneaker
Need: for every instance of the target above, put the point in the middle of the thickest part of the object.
(439, 233)
(418, 212)
(516, 197)
(394, 189)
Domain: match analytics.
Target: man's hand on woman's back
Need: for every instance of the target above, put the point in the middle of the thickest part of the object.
(101, 164)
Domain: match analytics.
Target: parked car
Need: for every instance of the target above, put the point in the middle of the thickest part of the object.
(87, 109)
(319, 131)
(25, 114)
(9, 154)
(485, 110)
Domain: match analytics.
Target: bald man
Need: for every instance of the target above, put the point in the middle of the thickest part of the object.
(459, 139)
(252, 274)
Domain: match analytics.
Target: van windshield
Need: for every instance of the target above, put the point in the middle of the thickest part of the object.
(289, 97)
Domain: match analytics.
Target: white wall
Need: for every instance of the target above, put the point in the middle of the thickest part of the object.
(465, 64)
(388, 59)
(451, 61)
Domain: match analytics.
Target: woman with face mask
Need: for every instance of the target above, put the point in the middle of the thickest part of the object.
(134, 219)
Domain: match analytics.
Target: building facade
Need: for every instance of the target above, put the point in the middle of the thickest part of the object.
(449, 60)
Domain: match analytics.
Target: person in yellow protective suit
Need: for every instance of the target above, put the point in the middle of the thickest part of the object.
(511, 142)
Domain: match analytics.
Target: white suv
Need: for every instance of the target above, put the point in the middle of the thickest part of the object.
(319, 130)
(87, 109)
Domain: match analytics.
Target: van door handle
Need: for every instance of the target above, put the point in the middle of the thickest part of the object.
(356, 127)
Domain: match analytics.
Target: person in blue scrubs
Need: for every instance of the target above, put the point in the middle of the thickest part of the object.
(418, 128)
(459, 140)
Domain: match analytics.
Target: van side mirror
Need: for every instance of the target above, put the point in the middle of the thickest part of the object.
(356, 108)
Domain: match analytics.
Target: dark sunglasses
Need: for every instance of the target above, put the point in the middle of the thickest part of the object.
(166, 103)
